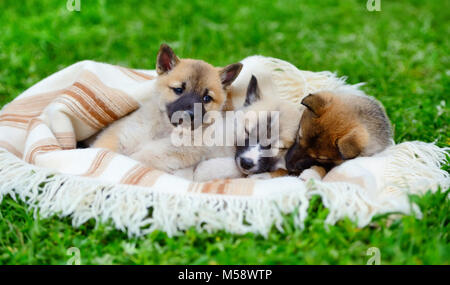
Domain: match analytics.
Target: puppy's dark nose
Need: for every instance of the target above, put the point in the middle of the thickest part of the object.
(289, 164)
(246, 163)
(289, 157)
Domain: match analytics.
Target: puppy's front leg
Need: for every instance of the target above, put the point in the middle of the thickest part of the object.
(269, 175)
(162, 155)
(108, 139)
(217, 168)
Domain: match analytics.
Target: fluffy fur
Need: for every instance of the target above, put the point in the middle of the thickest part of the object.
(265, 156)
(145, 135)
(262, 166)
(336, 127)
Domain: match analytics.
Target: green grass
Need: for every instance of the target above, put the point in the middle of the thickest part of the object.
(401, 52)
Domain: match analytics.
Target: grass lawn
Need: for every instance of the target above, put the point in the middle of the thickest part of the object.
(401, 52)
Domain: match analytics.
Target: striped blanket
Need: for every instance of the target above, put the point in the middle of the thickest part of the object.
(41, 164)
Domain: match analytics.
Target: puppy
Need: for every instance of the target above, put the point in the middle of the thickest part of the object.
(265, 127)
(337, 126)
(182, 86)
(270, 125)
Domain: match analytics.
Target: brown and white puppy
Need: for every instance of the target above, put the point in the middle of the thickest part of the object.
(270, 128)
(338, 126)
(182, 86)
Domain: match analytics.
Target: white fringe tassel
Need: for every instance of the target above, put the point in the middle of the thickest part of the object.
(413, 168)
(128, 207)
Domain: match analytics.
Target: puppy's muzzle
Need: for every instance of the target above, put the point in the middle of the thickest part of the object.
(188, 108)
(246, 163)
(297, 159)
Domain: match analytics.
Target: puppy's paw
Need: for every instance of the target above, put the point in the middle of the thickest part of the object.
(186, 173)
(261, 176)
(216, 168)
(315, 172)
(153, 160)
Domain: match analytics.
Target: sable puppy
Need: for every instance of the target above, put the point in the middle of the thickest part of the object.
(337, 126)
(145, 135)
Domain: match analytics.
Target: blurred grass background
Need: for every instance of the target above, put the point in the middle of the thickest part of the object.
(401, 53)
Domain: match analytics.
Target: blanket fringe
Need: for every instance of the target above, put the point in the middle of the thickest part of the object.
(413, 168)
(423, 171)
(141, 210)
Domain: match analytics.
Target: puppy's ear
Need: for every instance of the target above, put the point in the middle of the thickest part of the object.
(253, 92)
(352, 143)
(229, 73)
(166, 59)
(316, 103)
